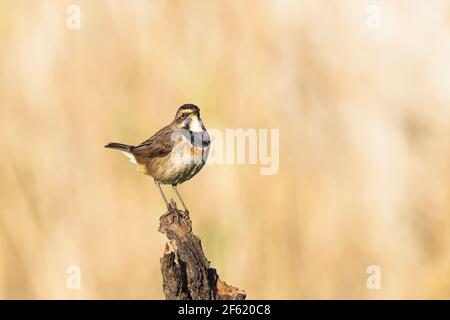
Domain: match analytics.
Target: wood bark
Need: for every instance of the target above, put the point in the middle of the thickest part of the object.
(185, 269)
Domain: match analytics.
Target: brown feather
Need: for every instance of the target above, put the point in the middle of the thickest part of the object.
(158, 145)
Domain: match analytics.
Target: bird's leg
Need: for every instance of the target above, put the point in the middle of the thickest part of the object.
(163, 195)
(186, 211)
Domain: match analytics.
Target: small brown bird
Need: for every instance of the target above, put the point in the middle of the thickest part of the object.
(174, 154)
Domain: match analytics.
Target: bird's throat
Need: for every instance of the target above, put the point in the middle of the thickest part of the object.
(195, 124)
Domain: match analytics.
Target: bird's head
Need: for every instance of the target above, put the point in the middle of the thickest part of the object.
(188, 117)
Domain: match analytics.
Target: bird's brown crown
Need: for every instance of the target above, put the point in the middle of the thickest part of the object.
(187, 110)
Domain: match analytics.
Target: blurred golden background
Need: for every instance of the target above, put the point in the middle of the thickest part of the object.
(363, 112)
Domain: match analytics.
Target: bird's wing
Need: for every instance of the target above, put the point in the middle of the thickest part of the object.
(159, 145)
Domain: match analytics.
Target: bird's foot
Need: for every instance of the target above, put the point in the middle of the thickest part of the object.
(172, 213)
(176, 216)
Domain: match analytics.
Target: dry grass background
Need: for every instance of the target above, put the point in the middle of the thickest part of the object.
(364, 161)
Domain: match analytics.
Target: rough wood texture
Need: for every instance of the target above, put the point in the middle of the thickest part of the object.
(185, 269)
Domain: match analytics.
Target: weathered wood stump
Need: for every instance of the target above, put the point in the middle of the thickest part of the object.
(184, 267)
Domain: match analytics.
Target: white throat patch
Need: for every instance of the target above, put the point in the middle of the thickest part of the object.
(196, 125)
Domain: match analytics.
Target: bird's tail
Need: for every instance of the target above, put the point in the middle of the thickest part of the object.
(119, 146)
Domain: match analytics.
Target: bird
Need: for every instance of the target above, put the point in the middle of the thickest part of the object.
(174, 154)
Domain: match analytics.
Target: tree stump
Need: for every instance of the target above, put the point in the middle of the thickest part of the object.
(185, 269)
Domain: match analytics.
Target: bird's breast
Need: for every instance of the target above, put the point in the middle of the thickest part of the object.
(186, 153)
(185, 160)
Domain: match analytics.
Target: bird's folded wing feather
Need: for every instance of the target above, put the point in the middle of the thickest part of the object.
(159, 145)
